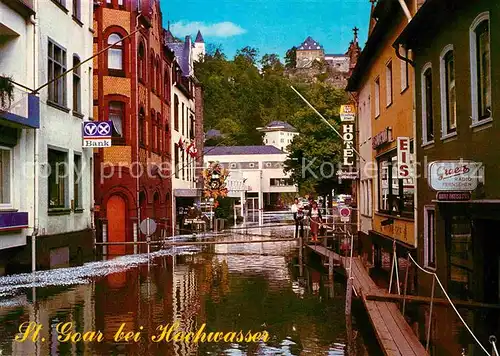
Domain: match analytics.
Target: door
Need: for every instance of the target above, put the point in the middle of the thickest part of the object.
(116, 215)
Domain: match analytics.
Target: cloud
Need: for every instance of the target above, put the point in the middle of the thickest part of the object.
(220, 29)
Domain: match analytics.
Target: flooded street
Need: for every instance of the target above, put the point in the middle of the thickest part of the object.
(221, 288)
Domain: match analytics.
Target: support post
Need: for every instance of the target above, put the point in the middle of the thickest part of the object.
(330, 266)
(406, 284)
(105, 237)
(136, 233)
(430, 315)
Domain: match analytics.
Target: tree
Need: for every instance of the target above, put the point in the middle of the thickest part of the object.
(248, 54)
(291, 58)
(271, 65)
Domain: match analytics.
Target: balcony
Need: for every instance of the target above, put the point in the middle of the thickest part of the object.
(22, 111)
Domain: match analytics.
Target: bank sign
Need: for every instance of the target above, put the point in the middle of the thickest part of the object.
(97, 134)
(458, 176)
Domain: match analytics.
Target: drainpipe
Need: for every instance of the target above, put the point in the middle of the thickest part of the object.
(405, 9)
(415, 142)
(137, 117)
(34, 234)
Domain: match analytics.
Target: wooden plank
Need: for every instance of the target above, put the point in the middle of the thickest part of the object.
(384, 338)
(399, 338)
(426, 300)
(413, 340)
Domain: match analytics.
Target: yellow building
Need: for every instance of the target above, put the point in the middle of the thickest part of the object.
(382, 83)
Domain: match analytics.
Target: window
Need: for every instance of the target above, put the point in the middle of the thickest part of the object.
(480, 68)
(57, 66)
(142, 127)
(152, 130)
(77, 179)
(57, 181)
(280, 182)
(141, 62)
(116, 116)
(176, 160)
(176, 112)
(460, 257)
(182, 122)
(166, 81)
(388, 83)
(448, 97)
(76, 9)
(395, 195)
(5, 177)
(404, 70)
(282, 140)
(159, 132)
(76, 86)
(120, 2)
(429, 237)
(183, 165)
(427, 109)
(158, 76)
(115, 53)
(377, 97)
(152, 72)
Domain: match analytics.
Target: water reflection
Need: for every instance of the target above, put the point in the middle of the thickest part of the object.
(226, 287)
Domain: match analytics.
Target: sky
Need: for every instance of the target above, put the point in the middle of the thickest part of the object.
(271, 26)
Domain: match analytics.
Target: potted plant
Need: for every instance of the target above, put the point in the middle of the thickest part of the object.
(6, 91)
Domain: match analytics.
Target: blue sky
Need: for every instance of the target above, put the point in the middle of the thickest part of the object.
(271, 26)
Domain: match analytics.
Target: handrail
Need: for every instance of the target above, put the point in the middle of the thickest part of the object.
(436, 278)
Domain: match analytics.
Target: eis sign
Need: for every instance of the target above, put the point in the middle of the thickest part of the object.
(403, 157)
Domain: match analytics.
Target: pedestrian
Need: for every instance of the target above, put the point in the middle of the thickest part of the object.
(316, 220)
(298, 217)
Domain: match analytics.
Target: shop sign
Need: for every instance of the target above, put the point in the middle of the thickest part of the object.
(347, 113)
(456, 176)
(381, 138)
(453, 196)
(348, 175)
(403, 157)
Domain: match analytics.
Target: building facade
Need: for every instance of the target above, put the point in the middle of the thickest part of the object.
(456, 124)
(262, 168)
(278, 134)
(50, 174)
(382, 83)
(186, 124)
(133, 90)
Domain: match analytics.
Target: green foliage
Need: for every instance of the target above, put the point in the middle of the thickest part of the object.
(225, 209)
(291, 58)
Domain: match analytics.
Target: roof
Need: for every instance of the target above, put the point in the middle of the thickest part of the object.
(309, 44)
(278, 125)
(384, 11)
(241, 150)
(213, 133)
(425, 22)
(199, 38)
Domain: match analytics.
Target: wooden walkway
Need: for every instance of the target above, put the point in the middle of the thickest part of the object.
(394, 335)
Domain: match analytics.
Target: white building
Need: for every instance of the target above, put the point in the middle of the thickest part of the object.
(46, 175)
(185, 126)
(278, 134)
(262, 169)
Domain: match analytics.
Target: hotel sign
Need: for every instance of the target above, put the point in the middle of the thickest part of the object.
(458, 176)
(347, 116)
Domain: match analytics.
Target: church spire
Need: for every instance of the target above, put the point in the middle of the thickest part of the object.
(199, 38)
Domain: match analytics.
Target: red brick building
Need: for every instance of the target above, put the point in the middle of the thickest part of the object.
(132, 88)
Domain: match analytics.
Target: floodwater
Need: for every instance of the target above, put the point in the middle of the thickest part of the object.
(221, 288)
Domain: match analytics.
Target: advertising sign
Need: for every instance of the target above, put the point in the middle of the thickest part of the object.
(456, 176)
(347, 113)
(382, 137)
(403, 157)
(97, 134)
(453, 196)
(345, 214)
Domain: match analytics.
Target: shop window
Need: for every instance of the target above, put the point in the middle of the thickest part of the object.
(5, 177)
(427, 108)
(57, 181)
(115, 53)
(448, 93)
(429, 237)
(460, 253)
(480, 69)
(56, 67)
(77, 181)
(396, 196)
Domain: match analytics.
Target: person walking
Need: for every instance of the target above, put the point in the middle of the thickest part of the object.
(316, 220)
(298, 216)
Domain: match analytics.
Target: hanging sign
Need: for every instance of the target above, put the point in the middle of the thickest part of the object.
(403, 157)
(453, 196)
(381, 138)
(347, 113)
(456, 176)
(97, 134)
(347, 116)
